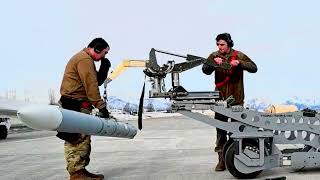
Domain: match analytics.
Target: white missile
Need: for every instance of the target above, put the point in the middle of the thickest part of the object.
(54, 118)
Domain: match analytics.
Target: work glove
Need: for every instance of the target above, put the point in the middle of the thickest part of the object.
(105, 62)
(102, 74)
(104, 113)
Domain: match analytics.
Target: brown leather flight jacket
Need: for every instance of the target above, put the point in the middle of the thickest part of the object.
(80, 80)
(234, 86)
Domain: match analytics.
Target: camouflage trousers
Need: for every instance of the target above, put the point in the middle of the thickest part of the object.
(77, 156)
(221, 134)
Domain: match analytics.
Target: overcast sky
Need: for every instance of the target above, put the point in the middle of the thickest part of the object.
(281, 37)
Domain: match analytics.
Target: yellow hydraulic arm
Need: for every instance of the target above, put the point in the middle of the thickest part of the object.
(123, 66)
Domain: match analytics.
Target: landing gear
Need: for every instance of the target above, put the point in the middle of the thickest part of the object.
(3, 132)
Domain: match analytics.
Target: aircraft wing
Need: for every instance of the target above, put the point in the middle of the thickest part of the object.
(8, 112)
(10, 107)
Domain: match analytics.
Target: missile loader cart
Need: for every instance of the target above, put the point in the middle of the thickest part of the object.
(254, 136)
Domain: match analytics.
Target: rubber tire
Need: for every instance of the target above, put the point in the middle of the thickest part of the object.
(226, 146)
(3, 132)
(229, 159)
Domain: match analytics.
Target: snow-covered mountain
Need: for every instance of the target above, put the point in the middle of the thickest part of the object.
(311, 103)
(158, 104)
(258, 104)
(301, 103)
(116, 103)
(150, 104)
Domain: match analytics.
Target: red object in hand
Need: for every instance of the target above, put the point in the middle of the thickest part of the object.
(85, 104)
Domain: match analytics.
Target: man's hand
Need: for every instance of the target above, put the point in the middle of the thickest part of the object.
(218, 60)
(234, 63)
(105, 62)
(103, 71)
(104, 113)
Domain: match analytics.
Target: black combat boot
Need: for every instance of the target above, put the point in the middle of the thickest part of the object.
(220, 166)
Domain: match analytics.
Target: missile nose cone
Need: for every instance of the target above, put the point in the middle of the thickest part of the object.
(41, 117)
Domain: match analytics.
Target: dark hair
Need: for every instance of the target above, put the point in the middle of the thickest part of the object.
(98, 44)
(226, 37)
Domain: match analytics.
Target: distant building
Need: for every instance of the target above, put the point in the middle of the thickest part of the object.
(281, 108)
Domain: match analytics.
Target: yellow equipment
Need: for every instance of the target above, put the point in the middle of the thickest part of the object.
(123, 66)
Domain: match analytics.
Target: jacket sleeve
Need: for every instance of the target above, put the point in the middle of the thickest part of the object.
(88, 76)
(102, 74)
(247, 64)
(206, 68)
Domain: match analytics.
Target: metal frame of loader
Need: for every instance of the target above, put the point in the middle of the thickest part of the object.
(251, 147)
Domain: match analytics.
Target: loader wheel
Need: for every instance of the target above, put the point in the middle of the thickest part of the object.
(229, 159)
(226, 146)
(3, 132)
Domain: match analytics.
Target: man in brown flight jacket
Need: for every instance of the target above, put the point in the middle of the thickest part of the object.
(228, 82)
(80, 92)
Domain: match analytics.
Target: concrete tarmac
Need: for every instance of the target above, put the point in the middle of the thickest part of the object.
(168, 148)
